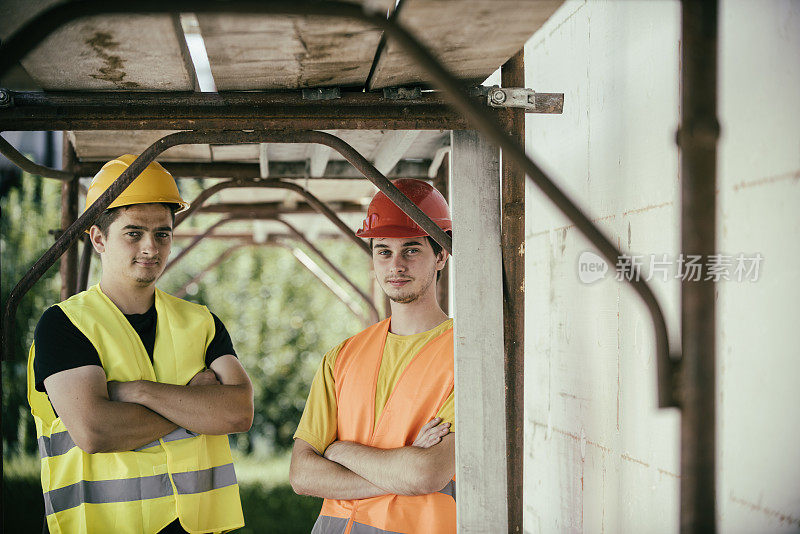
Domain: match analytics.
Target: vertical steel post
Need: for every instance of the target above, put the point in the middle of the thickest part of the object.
(442, 182)
(697, 139)
(513, 246)
(69, 213)
(85, 264)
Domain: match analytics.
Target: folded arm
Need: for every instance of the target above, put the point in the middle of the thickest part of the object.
(354, 471)
(219, 408)
(402, 471)
(80, 396)
(312, 474)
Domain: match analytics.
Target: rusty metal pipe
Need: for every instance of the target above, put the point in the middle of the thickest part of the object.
(19, 159)
(373, 311)
(338, 170)
(76, 229)
(181, 292)
(697, 138)
(120, 110)
(320, 206)
(85, 264)
(513, 247)
(196, 241)
(68, 270)
(327, 281)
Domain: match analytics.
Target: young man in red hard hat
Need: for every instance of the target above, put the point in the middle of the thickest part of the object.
(375, 439)
(134, 391)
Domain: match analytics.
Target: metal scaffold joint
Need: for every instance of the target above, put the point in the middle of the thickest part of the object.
(527, 99)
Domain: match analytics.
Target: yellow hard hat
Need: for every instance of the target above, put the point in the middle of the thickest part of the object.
(154, 184)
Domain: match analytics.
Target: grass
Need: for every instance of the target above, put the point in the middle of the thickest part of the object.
(268, 501)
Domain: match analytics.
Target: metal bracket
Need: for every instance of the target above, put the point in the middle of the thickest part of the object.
(5, 99)
(527, 99)
(322, 93)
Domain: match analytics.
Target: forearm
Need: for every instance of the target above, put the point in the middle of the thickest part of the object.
(212, 409)
(402, 471)
(104, 433)
(311, 474)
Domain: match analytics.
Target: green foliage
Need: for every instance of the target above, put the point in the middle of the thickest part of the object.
(28, 213)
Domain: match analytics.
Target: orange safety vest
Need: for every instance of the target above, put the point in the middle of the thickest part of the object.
(420, 392)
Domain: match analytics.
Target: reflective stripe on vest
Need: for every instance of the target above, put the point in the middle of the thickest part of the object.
(61, 442)
(418, 395)
(55, 444)
(449, 489)
(176, 435)
(337, 525)
(140, 491)
(137, 489)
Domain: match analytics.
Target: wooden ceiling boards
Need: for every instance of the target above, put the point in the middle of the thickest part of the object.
(125, 52)
(472, 38)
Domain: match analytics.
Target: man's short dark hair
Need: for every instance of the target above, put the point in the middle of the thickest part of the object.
(437, 248)
(104, 220)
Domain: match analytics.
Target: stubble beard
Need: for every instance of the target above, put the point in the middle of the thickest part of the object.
(408, 298)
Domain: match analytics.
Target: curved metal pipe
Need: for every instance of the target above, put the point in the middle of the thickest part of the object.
(373, 311)
(74, 231)
(323, 277)
(19, 159)
(181, 292)
(196, 241)
(320, 206)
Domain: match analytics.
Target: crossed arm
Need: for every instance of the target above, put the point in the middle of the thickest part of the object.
(121, 416)
(354, 471)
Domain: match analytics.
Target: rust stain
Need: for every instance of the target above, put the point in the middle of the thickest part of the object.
(571, 396)
(768, 180)
(632, 459)
(668, 473)
(564, 229)
(647, 208)
(783, 517)
(103, 44)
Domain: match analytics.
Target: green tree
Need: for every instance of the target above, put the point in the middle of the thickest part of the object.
(29, 212)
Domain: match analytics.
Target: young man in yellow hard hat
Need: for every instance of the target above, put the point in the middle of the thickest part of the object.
(375, 439)
(134, 391)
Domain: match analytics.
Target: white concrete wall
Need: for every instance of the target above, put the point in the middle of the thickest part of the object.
(600, 457)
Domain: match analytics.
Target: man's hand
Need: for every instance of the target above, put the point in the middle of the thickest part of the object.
(432, 433)
(204, 378)
(127, 391)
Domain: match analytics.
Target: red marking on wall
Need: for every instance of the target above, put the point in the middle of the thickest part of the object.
(766, 181)
(647, 208)
(783, 517)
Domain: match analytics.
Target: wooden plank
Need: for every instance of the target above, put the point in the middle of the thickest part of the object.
(318, 156)
(269, 52)
(480, 36)
(478, 306)
(130, 52)
(91, 145)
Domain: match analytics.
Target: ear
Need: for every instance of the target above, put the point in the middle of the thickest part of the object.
(97, 238)
(441, 259)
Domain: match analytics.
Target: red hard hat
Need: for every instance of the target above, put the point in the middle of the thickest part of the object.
(385, 219)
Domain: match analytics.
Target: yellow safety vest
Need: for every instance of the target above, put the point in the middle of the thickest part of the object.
(181, 475)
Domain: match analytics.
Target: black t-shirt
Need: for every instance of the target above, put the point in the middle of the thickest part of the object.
(61, 346)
